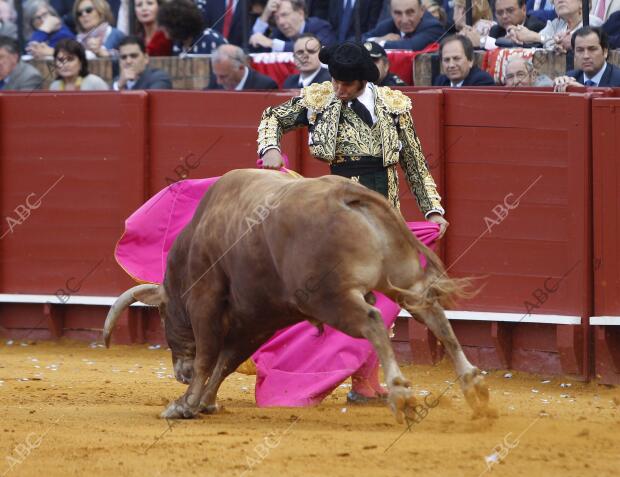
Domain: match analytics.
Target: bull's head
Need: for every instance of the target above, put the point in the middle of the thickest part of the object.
(178, 330)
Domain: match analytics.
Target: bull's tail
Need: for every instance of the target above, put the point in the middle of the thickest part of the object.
(437, 288)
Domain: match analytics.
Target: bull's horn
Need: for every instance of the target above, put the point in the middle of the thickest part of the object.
(122, 302)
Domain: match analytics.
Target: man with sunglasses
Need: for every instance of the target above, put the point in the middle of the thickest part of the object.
(306, 55)
(135, 72)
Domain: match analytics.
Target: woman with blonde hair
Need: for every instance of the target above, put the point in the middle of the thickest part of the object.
(481, 13)
(93, 20)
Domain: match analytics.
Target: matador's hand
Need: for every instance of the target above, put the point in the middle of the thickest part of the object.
(272, 159)
(443, 223)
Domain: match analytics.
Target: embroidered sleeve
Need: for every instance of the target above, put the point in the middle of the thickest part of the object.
(280, 119)
(413, 163)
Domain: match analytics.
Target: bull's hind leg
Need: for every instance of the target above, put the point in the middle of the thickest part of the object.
(351, 314)
(470, 378)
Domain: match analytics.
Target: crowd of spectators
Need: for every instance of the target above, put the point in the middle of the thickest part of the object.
(73, 32)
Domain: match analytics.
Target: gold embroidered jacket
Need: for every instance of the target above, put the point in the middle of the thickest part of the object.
(319, 109)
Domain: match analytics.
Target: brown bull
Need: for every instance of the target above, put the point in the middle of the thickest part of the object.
(256, 237)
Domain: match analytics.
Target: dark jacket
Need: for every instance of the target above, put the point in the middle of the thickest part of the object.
(531, 23)
(544, 15)
(152, 78)
(321, 28)
(318, 8)
(255, 80)
(476, 77)
(392, 80)
(293, 81)
(428, 31)
(369, 14)
(611, 77)
(612, 27)
(213, 13)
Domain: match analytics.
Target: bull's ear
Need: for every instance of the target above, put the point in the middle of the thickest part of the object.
(150, 296)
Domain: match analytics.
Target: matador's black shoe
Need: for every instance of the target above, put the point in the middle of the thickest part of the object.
(356, 398)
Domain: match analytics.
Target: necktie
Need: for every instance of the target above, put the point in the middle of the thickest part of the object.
(1, 84)
(228, 16)
(361, 111)
(590, 83)
(345, 21)
(600, 9)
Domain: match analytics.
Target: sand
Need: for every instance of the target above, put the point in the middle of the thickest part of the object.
(71, 409)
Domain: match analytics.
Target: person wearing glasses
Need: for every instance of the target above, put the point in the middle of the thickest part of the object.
(306, 56)
(135, 70)
(94, 21)
(72, 69)
(521, 73)
(47, 28)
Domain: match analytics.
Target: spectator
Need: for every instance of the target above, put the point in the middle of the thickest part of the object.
(435, 9)
(15, 75)
(481, 14)
(306, 57)
(231, 71)
(341, 16)
(457, 60)
(591, 47)
(520, 72)
(72, 69)
(7, 20)
(379, 56)
(410, 28)
(612, 28)
(95, 31)
(147, 28)
(225, 17)
(557, 33)
(182, 23)
(45, 26)
(508, 13)
(291, 21)
(135, 72)
(318, 8)
(603, 9)
(542, 9)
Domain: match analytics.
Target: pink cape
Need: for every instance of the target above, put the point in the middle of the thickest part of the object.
(296, 367)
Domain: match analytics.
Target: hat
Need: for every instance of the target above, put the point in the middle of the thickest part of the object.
(349, 61)
(375, 49)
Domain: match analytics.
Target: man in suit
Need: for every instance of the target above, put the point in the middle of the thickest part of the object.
(612, 28)
(15, 75)
(226, 17)
(135, 72)
(379, 56)
(291, 21)
(509, 13)
(306, 57)
(342, 17)
(230, 71)
(411, 27)
(591, 47)
(457, 60)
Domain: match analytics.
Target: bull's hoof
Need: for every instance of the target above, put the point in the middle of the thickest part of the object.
(178, 410)
(210, 408)
(476, 393)
(402, 402)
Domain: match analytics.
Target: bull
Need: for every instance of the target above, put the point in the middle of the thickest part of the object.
(233, 273)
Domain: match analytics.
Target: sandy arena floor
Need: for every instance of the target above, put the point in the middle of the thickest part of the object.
(69, 409)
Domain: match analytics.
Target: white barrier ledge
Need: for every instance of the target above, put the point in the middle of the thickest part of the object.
(62, 300)
(605, 320)
(508, 317)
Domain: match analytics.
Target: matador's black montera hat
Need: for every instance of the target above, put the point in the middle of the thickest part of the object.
(349, 61)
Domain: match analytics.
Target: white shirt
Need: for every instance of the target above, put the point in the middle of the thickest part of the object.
(367, 98)
(241, 84)
(306, 81)
(597, 77)
(457, 85)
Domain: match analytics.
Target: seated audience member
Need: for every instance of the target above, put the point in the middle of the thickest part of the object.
(557, 33)
(147, 28)
(481, 14)
(318, 8)
(7, 20)
(72, 69)
(520, 73)
(591, 47)
(181, 21)
(94, 21)
(379, 56)
(15, 75)
(306, 57)
(226, 18)
(291, 21)
(231, 71)
(612, 28)
(434, 8)
(508, 13)
(542, 9)
(456, 54)
(46, 26)
(603, 9)
(410, 28)
(134, 67)
(341, 17)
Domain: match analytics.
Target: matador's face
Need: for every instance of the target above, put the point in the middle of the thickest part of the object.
(348, 90)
